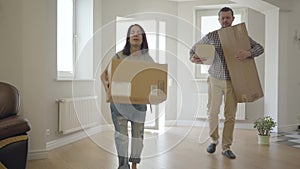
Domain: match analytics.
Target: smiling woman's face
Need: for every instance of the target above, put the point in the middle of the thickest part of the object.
(136, 37)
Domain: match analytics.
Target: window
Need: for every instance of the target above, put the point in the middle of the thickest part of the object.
(207, 21)
(74, 39)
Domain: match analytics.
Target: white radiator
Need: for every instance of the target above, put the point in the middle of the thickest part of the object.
(77, 113)
(202, 112)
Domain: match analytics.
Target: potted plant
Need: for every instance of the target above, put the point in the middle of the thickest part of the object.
(264, 127)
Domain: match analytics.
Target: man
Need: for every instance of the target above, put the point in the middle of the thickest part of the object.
(219, 84)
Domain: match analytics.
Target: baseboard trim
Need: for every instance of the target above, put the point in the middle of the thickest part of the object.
(75, 137)
(204, 123)
(287, 128)
(37, 154)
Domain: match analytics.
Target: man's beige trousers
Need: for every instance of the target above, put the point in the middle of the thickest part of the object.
(216, 90)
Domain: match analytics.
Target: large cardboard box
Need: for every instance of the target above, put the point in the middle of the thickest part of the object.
(137, 82)
(244, 76)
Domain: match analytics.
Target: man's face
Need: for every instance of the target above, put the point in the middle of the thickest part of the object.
(226, 19)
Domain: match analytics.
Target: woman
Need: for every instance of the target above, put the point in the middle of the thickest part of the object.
(136, 48)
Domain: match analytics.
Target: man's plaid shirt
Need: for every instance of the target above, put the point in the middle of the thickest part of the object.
(219, 69)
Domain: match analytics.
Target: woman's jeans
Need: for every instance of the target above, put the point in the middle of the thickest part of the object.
(121, 134)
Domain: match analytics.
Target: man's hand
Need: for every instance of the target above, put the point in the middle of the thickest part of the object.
(243, 54)
(196, 59)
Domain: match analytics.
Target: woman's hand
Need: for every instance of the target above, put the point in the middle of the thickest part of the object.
(107, 86)
(105, 82)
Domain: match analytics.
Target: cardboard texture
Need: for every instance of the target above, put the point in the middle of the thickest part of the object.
(244, 76)
(137, 82)
(206, 53)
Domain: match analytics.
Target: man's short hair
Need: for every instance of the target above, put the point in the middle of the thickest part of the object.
(225, 9)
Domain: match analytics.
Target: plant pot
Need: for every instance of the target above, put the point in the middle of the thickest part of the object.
(263, 140)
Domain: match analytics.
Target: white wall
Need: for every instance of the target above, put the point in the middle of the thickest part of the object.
(293, 56)
(34, 74)
(283, 76)
(10, 42)
(28, 59)
(289, 80)
(288, 117)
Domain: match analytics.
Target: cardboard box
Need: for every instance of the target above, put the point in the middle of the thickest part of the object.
(244, 76)
(137, 82)
(206, 53)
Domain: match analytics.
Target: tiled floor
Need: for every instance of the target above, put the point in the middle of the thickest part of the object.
(288, 138)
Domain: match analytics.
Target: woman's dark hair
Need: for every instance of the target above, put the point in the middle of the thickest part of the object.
(225, 9)
(144, 46)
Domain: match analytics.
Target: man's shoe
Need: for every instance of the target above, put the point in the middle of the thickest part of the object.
(211, 148)
(229, 154)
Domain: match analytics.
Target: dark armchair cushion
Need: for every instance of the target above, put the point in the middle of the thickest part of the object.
(12, 126)
(9, 100)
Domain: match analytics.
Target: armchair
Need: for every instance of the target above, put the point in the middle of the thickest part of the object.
(13, 129)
